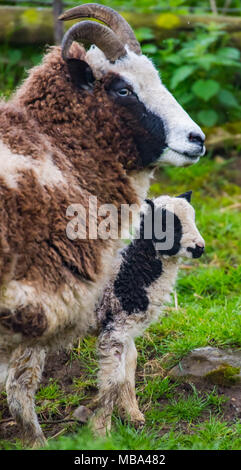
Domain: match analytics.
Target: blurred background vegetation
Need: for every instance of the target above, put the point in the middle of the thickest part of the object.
(199, 62)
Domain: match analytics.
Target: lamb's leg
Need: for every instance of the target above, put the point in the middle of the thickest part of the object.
(24, 374)
(127, 401)
(111, 349)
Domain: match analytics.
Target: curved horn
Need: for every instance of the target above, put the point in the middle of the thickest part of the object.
(94, 33)
(110, 17)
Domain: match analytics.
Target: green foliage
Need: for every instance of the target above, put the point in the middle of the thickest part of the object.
(182, 6)
(205, 89)
(207, 117)
(14, 63)
(202, 68)
(180, 74)
(202, 71)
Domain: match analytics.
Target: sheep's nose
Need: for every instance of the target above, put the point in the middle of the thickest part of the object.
(196, 144)
(196, 138)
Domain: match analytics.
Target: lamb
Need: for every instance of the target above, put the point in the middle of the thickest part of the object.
(85, 123)
(145, 274)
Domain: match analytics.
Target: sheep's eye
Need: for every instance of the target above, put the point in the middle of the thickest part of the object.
(124, 92)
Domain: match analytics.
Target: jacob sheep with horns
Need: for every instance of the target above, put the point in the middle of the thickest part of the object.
(84, 123)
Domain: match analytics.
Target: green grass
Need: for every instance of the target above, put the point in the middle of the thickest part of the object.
(213, 434)
(209, 302)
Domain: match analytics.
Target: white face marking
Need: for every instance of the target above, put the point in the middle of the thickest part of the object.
(144, 78)
(176, 159)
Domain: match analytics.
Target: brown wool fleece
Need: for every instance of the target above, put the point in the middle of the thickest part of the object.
(31, 320)
(90, 141)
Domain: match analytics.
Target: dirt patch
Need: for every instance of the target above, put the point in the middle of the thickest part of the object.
(231, 409)
(63, 368)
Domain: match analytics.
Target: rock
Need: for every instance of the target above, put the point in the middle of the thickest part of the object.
(82, 414)
(217, 366)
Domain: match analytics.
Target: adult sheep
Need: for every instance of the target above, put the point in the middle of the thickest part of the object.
(84, 123)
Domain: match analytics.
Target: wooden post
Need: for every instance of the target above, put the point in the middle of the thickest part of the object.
(58, 25)
(214, 7)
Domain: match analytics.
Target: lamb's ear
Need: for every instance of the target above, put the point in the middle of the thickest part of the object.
(186, 196)
(81, 74)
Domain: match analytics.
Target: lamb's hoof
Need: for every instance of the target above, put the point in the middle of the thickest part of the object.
(101, 425)
(136, 419)
(138, 423)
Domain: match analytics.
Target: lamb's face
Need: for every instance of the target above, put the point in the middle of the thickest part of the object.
(174, 230)
(173, 138)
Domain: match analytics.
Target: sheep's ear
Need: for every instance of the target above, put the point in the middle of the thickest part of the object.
(186, 196)
(81, 74)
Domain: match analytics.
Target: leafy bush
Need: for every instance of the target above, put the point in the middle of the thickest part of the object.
(202, 70)
(194, 5)
(182, 6)
(14, 63)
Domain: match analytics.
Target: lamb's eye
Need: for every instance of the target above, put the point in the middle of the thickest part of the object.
(124, 92)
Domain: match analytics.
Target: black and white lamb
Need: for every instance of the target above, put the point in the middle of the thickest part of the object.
(145, 274)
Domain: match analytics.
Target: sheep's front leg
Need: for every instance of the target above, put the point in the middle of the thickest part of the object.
(127, 402)
(24, 374)
(111, 349)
